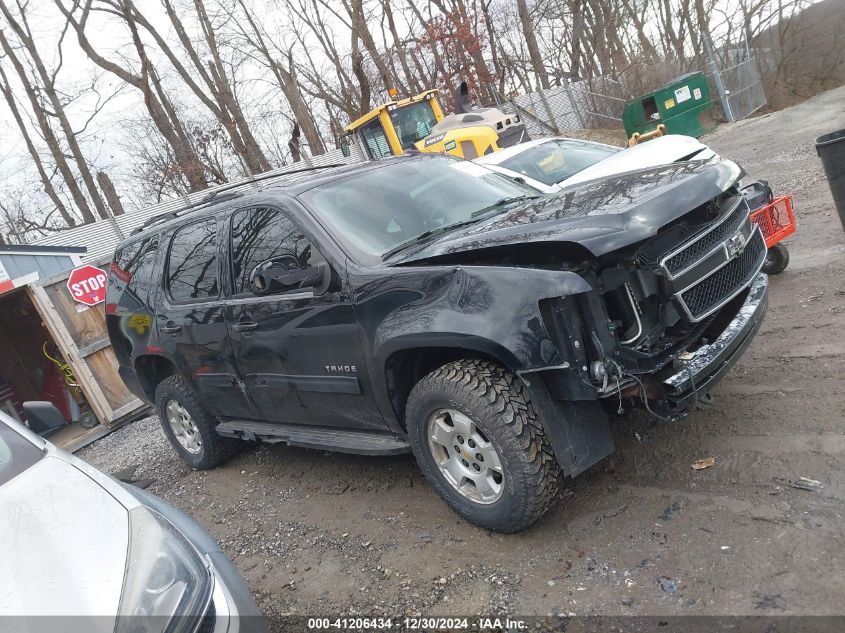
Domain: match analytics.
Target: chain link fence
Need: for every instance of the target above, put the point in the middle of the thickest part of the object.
(572, 106)
(733, 74)
(739, 88)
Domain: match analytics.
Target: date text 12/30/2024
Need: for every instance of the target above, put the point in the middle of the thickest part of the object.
(417, 624)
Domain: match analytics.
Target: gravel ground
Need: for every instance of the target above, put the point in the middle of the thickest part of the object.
(642, 533)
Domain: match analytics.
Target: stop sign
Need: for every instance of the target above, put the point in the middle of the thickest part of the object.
(87, 284)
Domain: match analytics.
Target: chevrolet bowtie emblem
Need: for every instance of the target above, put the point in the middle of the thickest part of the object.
(735, 245)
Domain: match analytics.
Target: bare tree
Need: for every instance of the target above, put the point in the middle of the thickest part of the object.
(284, 72)
(158, 106)
(217, 95)
(47, 86)
(110, 192)
(49, 136)
(49, 189)
(531, 40)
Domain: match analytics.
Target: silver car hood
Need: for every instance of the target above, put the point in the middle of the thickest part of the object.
(659, 151)
(63, 547)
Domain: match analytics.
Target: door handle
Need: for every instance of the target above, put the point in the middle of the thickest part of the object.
(245, 326)
(171, 328)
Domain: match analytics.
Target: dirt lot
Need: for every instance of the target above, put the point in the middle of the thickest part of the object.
(642, 533)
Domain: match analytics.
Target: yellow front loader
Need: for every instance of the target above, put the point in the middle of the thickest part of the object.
(418, 123)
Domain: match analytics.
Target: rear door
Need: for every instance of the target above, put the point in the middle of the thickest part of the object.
(298, 350)
(190, 317)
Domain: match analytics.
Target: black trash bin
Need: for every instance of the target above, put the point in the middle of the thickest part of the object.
(831, 149)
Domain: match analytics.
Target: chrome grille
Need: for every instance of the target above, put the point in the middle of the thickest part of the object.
(701, 245)
(712, 292)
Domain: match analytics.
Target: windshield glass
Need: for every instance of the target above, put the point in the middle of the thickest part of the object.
(374, 211)
(413, 123)
(555, 161)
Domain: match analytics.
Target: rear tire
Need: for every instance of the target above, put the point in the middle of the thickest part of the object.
(190, 427)
(479, 443)
(777, 259)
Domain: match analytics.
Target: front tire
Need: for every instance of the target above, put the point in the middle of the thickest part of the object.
(190, 427)
(479, 443)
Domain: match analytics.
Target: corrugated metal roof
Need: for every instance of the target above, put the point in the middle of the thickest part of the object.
(101, 238)
(21, 264)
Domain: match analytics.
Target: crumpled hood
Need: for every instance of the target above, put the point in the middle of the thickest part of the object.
(601, 215)
(659, 151)
(63, 546)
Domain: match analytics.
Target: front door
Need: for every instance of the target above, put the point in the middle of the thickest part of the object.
(297, 349)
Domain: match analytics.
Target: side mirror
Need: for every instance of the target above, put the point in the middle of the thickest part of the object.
(43, 417)
(284, 273)
(344, 147)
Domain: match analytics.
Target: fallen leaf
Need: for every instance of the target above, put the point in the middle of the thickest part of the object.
(701, 464)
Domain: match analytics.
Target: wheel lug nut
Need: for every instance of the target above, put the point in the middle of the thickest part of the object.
(479, 457)
(476, 467)
(457, 448)
(460, 439)
(471, 443)
(465, 463)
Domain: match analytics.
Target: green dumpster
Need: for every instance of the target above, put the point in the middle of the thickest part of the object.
(682, 105)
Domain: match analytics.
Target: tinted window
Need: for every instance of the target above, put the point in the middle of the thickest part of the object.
(133, 265)
(262, 234)
(552, 162)
(192, 266)
(16, 454)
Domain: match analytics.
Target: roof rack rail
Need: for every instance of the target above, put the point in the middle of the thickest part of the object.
(215, 197)
(203, 203)
(267, 176)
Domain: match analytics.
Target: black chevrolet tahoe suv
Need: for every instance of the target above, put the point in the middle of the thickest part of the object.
(404, 304)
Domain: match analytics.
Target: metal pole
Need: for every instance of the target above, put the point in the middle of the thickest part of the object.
(567, 86)
(717, 77)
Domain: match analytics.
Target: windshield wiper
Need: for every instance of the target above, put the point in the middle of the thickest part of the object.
(475, 216)
(422, 237)
(503, 202)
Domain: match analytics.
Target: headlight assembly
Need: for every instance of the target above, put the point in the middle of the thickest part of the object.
(166, 586)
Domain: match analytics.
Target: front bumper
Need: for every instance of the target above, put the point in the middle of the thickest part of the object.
(697, 372)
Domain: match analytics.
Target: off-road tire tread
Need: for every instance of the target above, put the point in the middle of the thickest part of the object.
(216, 448)
(538, 476)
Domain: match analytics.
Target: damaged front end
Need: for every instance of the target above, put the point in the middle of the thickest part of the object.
(667, 317)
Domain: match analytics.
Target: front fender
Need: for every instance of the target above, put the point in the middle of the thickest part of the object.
(494, 308)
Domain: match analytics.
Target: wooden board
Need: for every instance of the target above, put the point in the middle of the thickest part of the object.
(80, 333)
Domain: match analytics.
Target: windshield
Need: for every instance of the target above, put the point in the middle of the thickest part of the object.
(413, 123)
(555, 161)
(374, 211)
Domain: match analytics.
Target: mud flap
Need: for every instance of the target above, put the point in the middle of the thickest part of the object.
(579, 432)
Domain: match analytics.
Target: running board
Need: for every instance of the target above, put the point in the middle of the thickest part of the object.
(322, 438)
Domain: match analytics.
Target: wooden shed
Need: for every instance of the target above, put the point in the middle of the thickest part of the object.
(38, 315)
(40, 308)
